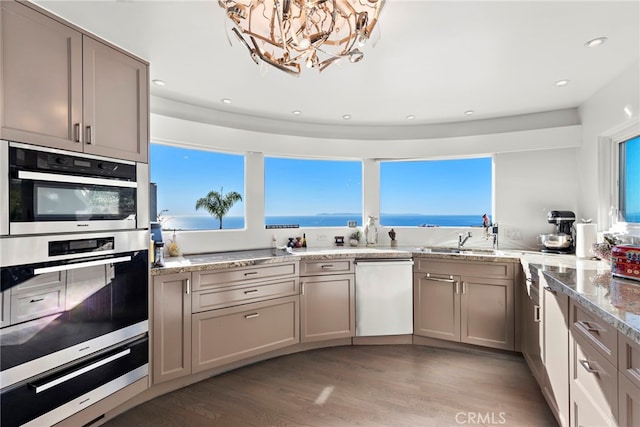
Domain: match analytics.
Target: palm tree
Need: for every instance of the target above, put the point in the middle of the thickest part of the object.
(218, 204)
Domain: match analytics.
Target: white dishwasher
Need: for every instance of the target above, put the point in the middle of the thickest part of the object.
(384, 297)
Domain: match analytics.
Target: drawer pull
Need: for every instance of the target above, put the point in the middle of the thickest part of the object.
(327, 266)
(590, 327)
(250, 273)
(437, 279)
(251, 291)
(536, 313)
(251, 316)
(188, 290)
(548, 289)
(464, 288)
(587, 367)
(36, 300)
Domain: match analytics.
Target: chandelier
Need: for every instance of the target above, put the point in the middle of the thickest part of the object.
(288, 33)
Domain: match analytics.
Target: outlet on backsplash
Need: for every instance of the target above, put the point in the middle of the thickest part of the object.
(322, 237)
(513, 234)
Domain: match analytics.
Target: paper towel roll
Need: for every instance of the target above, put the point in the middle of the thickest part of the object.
(585, 238)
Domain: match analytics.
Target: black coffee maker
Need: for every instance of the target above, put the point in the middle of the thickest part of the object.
(563, 242)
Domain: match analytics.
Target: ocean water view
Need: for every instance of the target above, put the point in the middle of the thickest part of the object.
(207, 222)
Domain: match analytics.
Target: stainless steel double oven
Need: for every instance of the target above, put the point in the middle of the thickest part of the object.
(74, 269)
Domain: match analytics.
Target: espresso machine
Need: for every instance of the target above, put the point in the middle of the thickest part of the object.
(562, 242)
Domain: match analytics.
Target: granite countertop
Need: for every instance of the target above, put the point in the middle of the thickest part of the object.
(590, 284)
(247, 258)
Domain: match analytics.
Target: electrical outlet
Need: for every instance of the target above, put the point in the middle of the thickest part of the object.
(513, 234)
(322, 237)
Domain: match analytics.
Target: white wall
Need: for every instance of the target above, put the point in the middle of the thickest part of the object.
(604, 116)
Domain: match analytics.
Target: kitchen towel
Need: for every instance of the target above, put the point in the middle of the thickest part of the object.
(585, 238)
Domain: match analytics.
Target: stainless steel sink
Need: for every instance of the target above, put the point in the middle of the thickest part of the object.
(462, 251)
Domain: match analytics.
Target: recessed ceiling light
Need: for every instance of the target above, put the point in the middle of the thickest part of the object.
(158, 82)
(596, 42)
(296, 112)
(561, 83)
(469, 112)
(347, 116)
(226, 101)
(411, 117)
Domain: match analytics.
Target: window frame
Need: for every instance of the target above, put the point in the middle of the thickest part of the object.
(617, 154)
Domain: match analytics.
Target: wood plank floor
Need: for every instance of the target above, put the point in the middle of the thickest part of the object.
(395, 386)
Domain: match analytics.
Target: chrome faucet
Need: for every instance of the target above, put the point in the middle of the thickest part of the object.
(461, 242)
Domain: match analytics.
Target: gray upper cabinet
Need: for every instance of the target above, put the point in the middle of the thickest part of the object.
(64, 89)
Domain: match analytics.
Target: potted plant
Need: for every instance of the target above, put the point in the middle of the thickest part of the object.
(354, 239)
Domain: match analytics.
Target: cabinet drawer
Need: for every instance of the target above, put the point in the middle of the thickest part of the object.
(232, 334)
(39, 282)
(241, 294)
(32, 305)
(496, 270)
(217, 278)
(596, 331)
(593, 376)
(629, 359)
(338, 266)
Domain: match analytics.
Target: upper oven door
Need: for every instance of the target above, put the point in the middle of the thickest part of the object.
(53, 192)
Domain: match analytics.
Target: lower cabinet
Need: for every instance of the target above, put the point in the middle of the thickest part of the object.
(231, 334)
(327, 307)
(555, 351)
(593, 385)
(171, 357)
(452, 303)
(628, 402)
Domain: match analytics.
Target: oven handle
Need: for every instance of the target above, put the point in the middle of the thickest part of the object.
(66, 267)
(71, 375)
(52, 177)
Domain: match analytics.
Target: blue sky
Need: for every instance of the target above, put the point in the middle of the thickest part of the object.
(632, 172)
(308, 187)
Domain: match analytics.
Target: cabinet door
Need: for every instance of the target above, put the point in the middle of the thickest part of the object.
(115, 108)
(594, 385)
(171, 327)
(628, 403)
(436, 302)
(531, 343)
(231, 334)
(41, 78)
(556, 351)
(327, 307)
(487, 313)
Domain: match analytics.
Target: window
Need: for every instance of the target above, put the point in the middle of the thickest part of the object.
(436, 192)
(312, 193)
(629, 180)
(184, 175)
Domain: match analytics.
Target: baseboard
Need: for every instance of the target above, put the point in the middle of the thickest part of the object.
(383, 340)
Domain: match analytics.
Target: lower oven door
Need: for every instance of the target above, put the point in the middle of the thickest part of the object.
(52, 397)
(64, 310)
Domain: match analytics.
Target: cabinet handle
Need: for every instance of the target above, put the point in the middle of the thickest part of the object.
(548, 289)
(36, 300)
(327, 266)
(589, 327)
(188, 290)
(437, 279)
(302, 288)
(252, 291)
(76, 132)
(88, 139)
(250, 273)
(536, 313)
(464, 288)
(587, 366)
(457, 287)
(251, 316)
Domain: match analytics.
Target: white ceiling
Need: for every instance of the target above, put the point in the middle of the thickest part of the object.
(434, 60)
